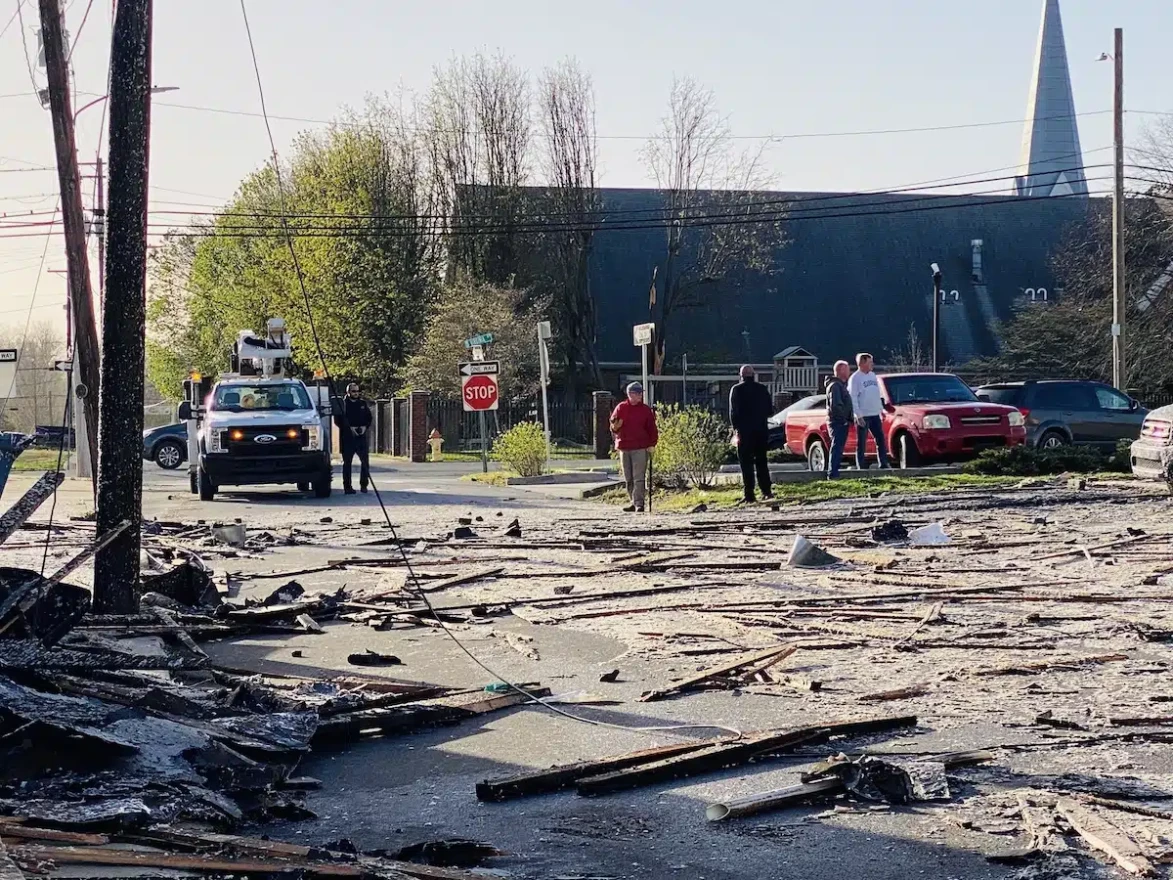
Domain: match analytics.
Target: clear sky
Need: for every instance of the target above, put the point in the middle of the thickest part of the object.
(797, 70)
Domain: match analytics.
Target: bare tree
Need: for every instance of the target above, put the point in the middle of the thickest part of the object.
(478, 135)
(566, 103)
(913, 357)
(39, 392)
(719, 224)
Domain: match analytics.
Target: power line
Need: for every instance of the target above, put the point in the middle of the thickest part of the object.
(25, 45)
(80, 28)
(4, 30)
(643, 137)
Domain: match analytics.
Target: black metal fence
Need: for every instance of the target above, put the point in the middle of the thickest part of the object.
(571, 424)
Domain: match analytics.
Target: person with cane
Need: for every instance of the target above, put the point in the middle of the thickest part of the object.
(633, 424)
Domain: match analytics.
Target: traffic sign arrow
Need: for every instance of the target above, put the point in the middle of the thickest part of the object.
(480, 368)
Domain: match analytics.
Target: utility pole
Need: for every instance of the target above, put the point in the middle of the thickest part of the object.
(72, 216)
(100, 229)
(120, 470)
(1119, 305)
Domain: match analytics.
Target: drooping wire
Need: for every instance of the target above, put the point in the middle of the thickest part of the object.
(412, 579)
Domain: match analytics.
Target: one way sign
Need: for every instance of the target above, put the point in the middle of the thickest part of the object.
(480, 368)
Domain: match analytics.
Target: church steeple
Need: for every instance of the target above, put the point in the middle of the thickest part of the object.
(1052, 162)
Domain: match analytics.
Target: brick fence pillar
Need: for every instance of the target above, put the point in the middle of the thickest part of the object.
(417, 439)
(604, 403)
(398, 441)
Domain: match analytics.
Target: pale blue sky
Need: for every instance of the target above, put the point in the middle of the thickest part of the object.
(783, 68)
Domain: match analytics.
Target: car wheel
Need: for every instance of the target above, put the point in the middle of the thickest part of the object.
(322, 487)
(1052, 440)
(909, 454)
(169, 455)
(207, 487)
(816, 456)
(303, 487)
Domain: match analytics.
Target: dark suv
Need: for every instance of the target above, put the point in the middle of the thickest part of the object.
(1062, 411)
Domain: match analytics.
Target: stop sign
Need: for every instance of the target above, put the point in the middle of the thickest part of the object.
(479, 393)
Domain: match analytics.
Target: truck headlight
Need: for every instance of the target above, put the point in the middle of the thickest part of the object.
(1016, 419)
(215, 441)
(313, 436)
(937, 423)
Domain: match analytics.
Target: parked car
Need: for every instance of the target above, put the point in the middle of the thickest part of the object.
(777, 422)
(930, 417)
(1061, 412)
(166, 446)
(1153, 451)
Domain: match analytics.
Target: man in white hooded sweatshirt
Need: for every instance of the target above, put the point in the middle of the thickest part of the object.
(864, 387)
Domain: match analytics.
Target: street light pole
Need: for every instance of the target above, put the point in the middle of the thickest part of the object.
(1119, 305)
(936, 313)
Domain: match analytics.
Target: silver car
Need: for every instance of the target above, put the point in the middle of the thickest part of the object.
(1153, 452)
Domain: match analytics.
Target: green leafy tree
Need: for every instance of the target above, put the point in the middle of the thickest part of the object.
(465, 309)
(359, 218)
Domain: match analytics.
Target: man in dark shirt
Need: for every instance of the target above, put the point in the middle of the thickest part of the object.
(840, 416)
(353, 418)
(750, 407)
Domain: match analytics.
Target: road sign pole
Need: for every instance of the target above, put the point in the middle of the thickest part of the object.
(647, 388)
(544, 365)
(484, 442)
(684, 380)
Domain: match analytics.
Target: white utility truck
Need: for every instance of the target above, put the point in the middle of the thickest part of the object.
(258, 424)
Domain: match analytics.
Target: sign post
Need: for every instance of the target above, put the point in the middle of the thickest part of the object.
(642, 336)
(8, 360)
(478, 390)
(544, 334)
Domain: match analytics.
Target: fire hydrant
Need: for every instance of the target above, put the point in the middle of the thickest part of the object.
(436, 441)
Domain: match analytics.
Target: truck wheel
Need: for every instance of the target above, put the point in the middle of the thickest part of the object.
(207, 487)
(909, 454)
(322, 487)
(303, 487)
(195, 483)
(816, 456)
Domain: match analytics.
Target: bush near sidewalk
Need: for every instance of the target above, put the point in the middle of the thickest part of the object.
(522, 449)
(694, 443)
(1027, 461)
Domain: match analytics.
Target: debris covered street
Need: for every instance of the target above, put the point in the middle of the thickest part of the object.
(285, 679)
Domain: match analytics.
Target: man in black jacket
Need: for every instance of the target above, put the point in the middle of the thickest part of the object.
(353, 418)
(750, 407)
(840, 416)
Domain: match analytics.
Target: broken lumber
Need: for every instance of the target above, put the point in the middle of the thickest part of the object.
(1061, 663)
(772, 800)
(411, 717)
(1111, 545)
(95, 855)
(775, 654)
(565, 775)
(904, 693)
(729, 754)
(1102, 835)
(37, 494)
(447, 583)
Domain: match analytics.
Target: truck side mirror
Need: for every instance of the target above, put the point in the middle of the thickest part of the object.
(185, 411)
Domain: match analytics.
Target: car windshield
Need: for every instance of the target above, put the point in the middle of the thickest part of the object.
(260, 398)
(928, 388)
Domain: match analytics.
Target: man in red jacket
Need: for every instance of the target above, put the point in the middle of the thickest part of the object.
(634, 425)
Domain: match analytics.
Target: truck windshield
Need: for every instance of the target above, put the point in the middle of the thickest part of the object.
(271, 398)
(929, 388)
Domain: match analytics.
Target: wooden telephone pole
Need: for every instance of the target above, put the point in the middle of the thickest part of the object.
(120, 464)
(1119, 290)
(73, 219)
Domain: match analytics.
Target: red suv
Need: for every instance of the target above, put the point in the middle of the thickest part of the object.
(929, 417)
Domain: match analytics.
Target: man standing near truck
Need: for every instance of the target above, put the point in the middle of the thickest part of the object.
(354, 421)
(868, 404)
(840, 416)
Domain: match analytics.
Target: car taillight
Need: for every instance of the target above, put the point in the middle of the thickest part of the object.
(1025, 413)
